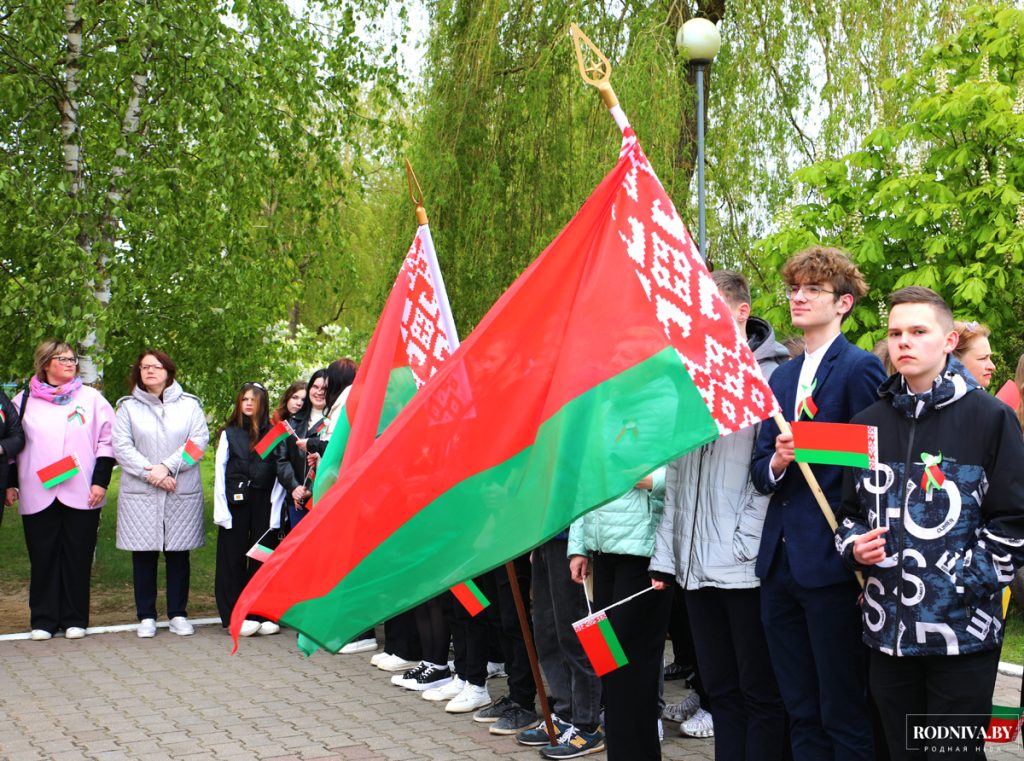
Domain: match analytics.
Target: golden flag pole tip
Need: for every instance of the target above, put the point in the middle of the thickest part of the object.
(598, 73)
(415, 193)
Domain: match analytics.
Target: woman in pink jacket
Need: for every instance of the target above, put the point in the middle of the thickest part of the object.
(62, 478)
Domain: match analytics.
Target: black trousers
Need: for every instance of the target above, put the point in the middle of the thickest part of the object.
(733, 657)
(401, 637)
(932, 687)
(631, 703)
(250, 520)
(144, 567)
(61, 541)
(433, 623)
(498, 589)
(471, 639)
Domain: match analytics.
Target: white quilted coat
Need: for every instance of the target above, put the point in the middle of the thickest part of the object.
(148, 431)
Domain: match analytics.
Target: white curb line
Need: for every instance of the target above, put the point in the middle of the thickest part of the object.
(115, 629)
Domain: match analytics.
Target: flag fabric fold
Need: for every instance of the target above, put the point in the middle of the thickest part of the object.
(617, 326)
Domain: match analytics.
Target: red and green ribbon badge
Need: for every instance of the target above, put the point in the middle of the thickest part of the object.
(78, 413)
(807, 405)
(932, 478)
(3, 417)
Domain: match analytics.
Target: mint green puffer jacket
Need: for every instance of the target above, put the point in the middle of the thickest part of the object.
(624, 526)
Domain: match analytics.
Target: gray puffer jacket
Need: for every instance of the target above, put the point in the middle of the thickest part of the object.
(711, 528)
(151, 431)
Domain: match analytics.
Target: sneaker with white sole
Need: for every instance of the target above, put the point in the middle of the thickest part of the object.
(698, 725)
(396, 663)
(683, 710)
(249, 628)
(377, 658)
(74, 632)
(147, 628)
(574, 743)
(359, 646)
(269, 627)
(445, 692)
(495, 711)
(515, 719)
(495, 670)
(399, 680)
(39, 635)
(538, 736)
(431, 677)
(181, 626)
(470, 699)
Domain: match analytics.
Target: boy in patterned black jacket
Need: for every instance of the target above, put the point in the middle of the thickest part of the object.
(937, 529)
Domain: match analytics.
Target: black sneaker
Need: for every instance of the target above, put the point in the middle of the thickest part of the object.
(431, 676)
(404, 680)
(677, 671)
(494, 711)
(514, 720)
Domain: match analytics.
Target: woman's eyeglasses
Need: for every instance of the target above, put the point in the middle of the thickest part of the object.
(66, 360)
(151, 367)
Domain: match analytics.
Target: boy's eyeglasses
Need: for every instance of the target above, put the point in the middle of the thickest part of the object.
(810, 292)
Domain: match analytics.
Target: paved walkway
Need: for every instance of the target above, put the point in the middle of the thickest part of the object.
(114, 696)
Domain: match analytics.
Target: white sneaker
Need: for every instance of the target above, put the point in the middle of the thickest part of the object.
(495, 670)
(74, 632)
(249, 628)
(445, 692)
(181, 626)
(147, 628)
(470, 699)
(683, 710)
(39, 635)
(698, 725)
(661, 731)
(377, 658)
(269, 627)
(396, 663)
(359, 646)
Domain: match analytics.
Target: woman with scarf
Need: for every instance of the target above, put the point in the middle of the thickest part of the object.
(60, 484)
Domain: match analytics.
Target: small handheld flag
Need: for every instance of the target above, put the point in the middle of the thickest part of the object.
(192, 453)
(1004, 726)
(853, 446)
(472, 599)
(59, 472)
(264, 546)
(272, 438)
(600, 643)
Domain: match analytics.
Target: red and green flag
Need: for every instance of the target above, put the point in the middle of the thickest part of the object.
(617, 326)
(848, 444)
(192, 453)
(318, 426)
(277, 433)
(600, 643)
(59, 472)
(1009, 394)
(1004, 726)
(471, 597)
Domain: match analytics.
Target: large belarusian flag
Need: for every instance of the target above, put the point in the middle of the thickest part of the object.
(610, 355)
(414, 336)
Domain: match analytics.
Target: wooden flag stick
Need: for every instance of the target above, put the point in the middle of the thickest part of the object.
(531, 651)
(812, 482)
(415, 193)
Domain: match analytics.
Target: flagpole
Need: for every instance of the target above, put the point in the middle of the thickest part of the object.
(531, 651)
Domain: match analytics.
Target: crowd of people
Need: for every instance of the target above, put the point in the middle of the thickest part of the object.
(798, 637)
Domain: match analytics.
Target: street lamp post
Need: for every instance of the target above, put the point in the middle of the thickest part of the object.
(698, 39)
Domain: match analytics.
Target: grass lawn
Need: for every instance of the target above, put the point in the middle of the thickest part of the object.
(112, 601)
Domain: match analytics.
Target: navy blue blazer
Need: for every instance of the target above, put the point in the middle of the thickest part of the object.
(847, 382)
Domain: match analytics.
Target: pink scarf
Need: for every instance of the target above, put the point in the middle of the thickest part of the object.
(54, 394)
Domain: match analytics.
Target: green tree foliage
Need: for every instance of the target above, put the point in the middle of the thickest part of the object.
(932, 196)
(170, 171)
